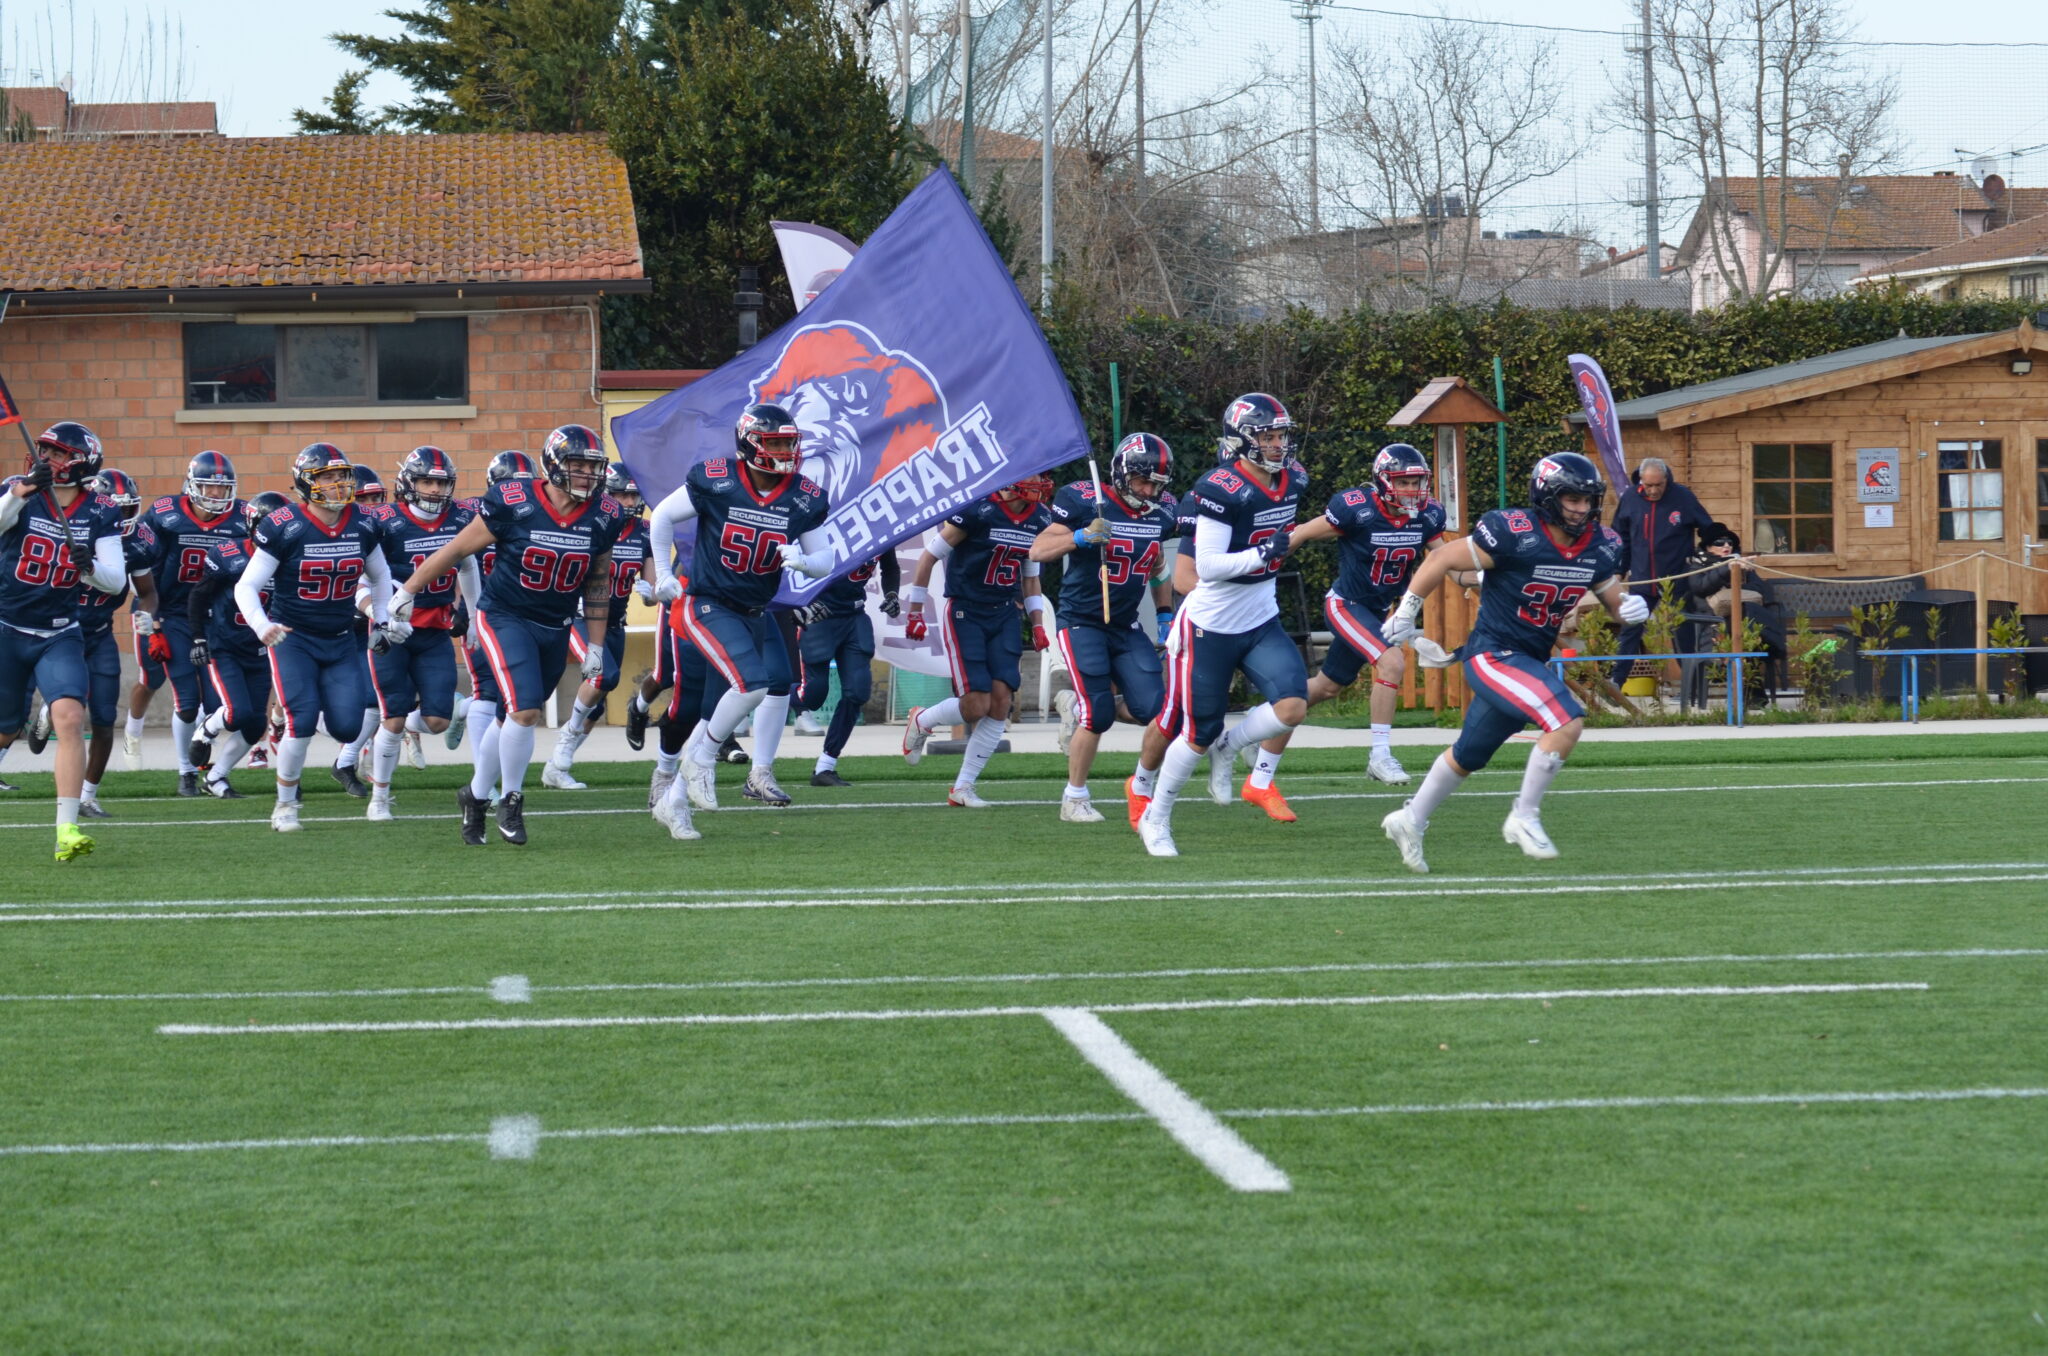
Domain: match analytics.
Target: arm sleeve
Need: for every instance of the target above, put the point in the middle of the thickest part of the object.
(377, 570)
(816, 561)
(661, 534)
(199, 601)
(892, 572)
(11, 505)
(470, 580)
(109, 565)
(249, 590)
(1213, 559)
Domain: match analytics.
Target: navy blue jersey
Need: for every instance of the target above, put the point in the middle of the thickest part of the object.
(182, 535)
(96, 610)
(737, 558)
(988, 567)
(1378, 551)
(44, 556)
(1129, 556)
(629, 552)
(545, 555)
(407, 540)
(848, 594)
(1534, 583)
(1251, 511)
(226, 628)
(318, 567)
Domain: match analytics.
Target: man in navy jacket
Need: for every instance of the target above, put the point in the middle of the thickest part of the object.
(1659, 519)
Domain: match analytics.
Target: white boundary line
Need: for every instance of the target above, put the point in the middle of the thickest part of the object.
(1092, 887)
(1382, 890)
(1038, 803)
(1045, 977)
(1799, 1099)
(1215, 1145)
(928, 1014)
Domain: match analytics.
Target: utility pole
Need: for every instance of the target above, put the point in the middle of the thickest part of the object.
(1653, 253)
(1138, 86)
(903, 27)
(966, 99)
(1045, 170)
(1307, 12)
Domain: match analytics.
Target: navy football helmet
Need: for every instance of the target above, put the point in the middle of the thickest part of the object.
(322, 475)
(573, 459)
(768, 439)
(261, 506)
(426, 479)
(1245, 420)
(1560, 474)
(71, 451)
(511, 466)
(210, 482)
(1400, 461)
(1141, 465)
(369, 485)
(120, 487)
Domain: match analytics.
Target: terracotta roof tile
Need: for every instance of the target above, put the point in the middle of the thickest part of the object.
(1885, 212)
(2026, 239)
(161, 119)
(313, 212)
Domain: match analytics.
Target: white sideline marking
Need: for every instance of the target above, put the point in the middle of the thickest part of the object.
(512, 989)
(1383, 890)
(1215, 1145)
(514, 1136)
(1040, 803)
(916, 1014)
(806, 894)
(1935, 1095)
(1060, 977)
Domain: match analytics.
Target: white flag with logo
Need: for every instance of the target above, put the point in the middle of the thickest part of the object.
(812, 256)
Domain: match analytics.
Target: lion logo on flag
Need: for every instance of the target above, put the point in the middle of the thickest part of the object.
(864, 407)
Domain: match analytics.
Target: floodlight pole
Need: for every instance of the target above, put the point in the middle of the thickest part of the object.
(1045, 170)
(1654, 251)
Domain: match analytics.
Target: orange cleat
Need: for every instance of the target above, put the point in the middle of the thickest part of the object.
(1269, 799)
(1138, 804)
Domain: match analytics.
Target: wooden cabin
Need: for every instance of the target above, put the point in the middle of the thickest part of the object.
(1889, 458)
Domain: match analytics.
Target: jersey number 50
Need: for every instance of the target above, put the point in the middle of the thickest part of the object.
(748, 550)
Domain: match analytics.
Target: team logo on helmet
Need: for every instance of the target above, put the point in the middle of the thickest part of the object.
(864, 407)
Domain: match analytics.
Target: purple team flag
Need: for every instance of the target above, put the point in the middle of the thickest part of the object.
(920, 378)
(1598, 401)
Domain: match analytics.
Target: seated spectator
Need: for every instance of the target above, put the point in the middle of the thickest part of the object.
(1712, 591)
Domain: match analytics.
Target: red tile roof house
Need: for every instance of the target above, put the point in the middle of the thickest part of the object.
(253, 295)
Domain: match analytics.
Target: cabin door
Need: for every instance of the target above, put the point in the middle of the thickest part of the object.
(1990, 494)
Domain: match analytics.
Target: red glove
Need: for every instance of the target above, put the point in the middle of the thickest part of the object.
(159, 648)
(1039, 639)
(914, 627)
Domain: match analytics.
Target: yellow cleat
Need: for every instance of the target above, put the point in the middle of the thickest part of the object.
(72, 843)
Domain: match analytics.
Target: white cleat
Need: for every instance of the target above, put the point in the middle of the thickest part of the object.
(1383, 766)
(558, 778)
(807, 723)
(658, 787)
(1081, 811)
(966, 798)
(1406, 834)
(1526, 832)
(1222, 773)
(1070, 716)
(914, 737)
(285, 816)
(415, 750)
(453, 735)
(379, 811)
(131, 751)
(674, 811)
(701, 781)
(1156, 833)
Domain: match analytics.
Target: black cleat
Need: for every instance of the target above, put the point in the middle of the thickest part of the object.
(188, 784)
(473, 832)
(636, 726)
(90, 809)
(350, 783)
(6, 785)
(731, 752)
(39, 731)
(512, 817)
(200, 752)
(828, 778)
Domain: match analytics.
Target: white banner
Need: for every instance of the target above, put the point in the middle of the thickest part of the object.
(812, 256)
(913, 656)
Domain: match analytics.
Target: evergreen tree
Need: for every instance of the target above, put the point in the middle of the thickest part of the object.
(344, 114)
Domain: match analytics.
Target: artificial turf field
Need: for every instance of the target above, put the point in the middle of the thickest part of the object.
(1761, 1063)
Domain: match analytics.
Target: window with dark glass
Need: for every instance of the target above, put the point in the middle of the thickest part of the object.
(2041, 489)
(425, 362)
(1971, 474)
(1792, 497)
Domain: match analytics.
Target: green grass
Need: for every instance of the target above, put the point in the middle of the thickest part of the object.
(1904, 1227)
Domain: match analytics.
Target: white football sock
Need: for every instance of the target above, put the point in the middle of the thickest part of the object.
(134, 727)
(181, 735)
(1263, 769)
(1144, 779)
(981, 746)
(1258, 726)
(944, 714)
(826, 763)
(67, 810)
(1382, 739)
(734, 707)
(668, 764)
(1436, 786)
(415, 723)
(383, 762)
(291, 764)
(580, 717)
(1075, 792)
(770, 719)
(213, 723)
(1536, 779)
(639, 702)
(515, 753)
(483, 748)
(1179, 765)
(228, 751)
(89, 791)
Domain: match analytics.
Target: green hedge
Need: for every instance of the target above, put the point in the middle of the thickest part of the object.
(1346, 375)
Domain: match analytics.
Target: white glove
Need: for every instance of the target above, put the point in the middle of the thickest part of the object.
(668, 590)
(401, 603)
(643, 590)
(791, 554)
(400, 631)
(593, 663)
(145, 625)
(1633, 609)
(1432, 655)
(1400, 626)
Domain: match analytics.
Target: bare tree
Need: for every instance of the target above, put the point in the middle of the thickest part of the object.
(1768, 91)
(1426, 135)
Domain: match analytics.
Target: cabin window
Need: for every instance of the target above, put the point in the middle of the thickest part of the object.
(1792, 497)
(1972, 497)
(425, 362)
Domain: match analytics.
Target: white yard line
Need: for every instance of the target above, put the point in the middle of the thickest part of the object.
(493, 990)
(1820, 1099)
(1381, 890)
(1736, 787)
(1193, 1126)
(932, 1014)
